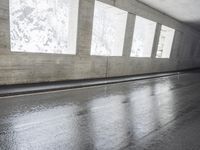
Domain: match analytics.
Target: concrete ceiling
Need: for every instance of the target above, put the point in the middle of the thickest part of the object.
(187, 11)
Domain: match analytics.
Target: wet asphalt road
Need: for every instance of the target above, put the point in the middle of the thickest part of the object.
(154, 114)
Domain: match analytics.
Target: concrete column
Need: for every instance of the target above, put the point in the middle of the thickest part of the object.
(197, 50)
(178, 37)
(156, 40)
(194, 47)
(129, 34)
(4, 27)
(85, 23)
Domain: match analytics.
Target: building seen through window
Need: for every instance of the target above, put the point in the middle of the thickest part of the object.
(143, 38)
(109, 25)
(165, 42)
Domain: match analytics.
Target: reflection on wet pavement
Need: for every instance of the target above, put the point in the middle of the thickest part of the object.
(134, 115)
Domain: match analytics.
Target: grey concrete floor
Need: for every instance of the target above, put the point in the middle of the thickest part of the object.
(154, 114)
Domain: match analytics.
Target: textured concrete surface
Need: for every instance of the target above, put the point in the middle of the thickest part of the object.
(155, 114)
(31, 68)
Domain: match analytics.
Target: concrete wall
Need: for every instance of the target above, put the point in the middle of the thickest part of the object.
(18, 68)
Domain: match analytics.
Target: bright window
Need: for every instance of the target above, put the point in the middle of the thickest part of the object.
(108, 30)
(143, 37)
(165, 42)
(46, 26)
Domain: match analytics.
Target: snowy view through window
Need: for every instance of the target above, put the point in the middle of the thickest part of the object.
(108, 30)
(165, 42)
(43, 26)
(143, 37)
